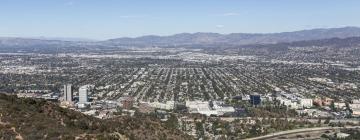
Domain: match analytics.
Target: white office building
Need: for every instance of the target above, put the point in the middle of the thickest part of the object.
(287, 102)
(202, 107)
(169, 105)
(68, 94)
(83, 94)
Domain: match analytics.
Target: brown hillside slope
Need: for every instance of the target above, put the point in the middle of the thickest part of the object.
(37, 119)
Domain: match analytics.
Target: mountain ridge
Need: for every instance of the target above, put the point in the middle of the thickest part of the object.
(202, 38)
(239, 38)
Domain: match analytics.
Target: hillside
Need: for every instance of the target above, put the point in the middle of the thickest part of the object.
(38, 119)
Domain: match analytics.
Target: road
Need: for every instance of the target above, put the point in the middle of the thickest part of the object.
(345, 120)
(282, 133)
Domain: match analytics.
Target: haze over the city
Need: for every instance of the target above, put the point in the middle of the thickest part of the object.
(106, 19)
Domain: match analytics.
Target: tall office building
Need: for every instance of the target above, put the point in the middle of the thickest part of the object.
(255, 99)
(68, 93)
(83, 94)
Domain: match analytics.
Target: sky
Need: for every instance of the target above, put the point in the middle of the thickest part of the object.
(105, 19)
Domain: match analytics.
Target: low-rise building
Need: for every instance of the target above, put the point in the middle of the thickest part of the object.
(201, 107)
(339, 105)
(127, 102)
(169, 105)
(146, 108)
(287, 102)
(354, 106)
(356, 112)
(342, 135)
(306, 103)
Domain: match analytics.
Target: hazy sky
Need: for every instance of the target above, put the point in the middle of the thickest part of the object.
(103, 19)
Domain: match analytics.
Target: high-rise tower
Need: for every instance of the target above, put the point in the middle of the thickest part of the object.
(83, 94)
(68, 93)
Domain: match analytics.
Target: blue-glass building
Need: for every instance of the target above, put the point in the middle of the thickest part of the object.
(255, 99)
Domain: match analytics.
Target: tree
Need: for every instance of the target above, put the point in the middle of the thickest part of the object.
(255, 130)
(199, 129)
(327, 121)
(172, 122)
(332, 106)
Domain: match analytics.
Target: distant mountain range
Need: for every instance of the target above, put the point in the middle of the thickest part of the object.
(239, 38)
(331, 42)
(65, 39)
(197, 38)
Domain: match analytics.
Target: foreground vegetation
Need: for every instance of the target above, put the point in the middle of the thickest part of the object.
(38, 119)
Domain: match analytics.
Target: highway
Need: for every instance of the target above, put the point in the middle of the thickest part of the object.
(312, 120)
(282, 133)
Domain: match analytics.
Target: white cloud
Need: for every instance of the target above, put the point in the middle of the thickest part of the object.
(230, 14)
(219, 26)
(132, 16)
(69, 3)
